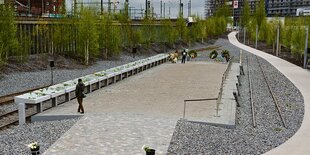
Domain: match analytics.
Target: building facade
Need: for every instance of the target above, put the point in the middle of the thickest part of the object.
(35, 7)
(283, 8)
(274, 8)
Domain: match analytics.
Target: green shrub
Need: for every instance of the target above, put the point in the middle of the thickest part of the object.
(213, 54)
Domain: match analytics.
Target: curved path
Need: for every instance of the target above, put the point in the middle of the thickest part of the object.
(299, 143)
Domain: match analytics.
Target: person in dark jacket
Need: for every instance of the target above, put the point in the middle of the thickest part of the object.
(80, 95)
(184, 54)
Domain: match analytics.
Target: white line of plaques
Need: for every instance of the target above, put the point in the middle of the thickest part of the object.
(92, 82)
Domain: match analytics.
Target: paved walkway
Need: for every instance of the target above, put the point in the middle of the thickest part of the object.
(299, 143)
(142, 109)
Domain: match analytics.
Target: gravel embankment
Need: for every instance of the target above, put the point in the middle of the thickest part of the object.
(195, 138)
(15, 141)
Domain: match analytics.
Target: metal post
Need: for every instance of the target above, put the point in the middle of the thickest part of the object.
(74, 9)
(238, 33)
(29, 7)
(238, 77)
(109, 6)
(306, 49)
(184, 110)
(52, 78)
(278, 38)
(256, 37)
(146, 9)
(241, 70)
(42, 9)
(236, 98)
(164, 10)
(189, 8)
(238, 91)
(101, 6)
(180, 8)
(161, 9)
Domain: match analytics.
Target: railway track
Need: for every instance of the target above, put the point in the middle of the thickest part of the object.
(10, 118)
(270, 91)
(251, 95)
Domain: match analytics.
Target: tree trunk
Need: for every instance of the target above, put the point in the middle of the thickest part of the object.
(106, 53)
(87, 53)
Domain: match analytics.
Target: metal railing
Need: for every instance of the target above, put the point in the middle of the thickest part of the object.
(218, 99)
(225, 74)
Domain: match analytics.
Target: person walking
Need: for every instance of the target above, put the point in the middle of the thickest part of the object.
(80, 95)
(184, 54)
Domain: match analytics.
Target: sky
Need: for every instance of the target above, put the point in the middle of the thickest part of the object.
(197, 6)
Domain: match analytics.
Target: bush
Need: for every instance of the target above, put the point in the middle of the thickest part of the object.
(213, 54)
(192, 53)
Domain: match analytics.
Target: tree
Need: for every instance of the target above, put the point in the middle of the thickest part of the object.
(168, 33)
(87, 36)
(245, 18)
(109, 35)
(8, 40)
(182, 30)
(199, 30)
(260, 14)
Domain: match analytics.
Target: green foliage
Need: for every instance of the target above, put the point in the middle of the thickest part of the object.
(87, 36)
(298, 40)
(198, 30)
(216, 26)
(260, 14)
(109, 36)
(8, 40)
(245, 18)
(182, 30)
(168, 33)
(148, 31)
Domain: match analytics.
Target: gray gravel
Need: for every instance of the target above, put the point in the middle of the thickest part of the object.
(196, 138)
(14, 141)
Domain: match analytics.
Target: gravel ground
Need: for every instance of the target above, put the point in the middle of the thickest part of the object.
(14, 141)
(195, 138)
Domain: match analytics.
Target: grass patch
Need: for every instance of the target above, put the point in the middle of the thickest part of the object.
(209, 48)
(277, 129)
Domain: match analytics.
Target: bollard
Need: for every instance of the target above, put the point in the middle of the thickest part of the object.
(239, 80)
(238, 89)
(241, 70)
(236, 98)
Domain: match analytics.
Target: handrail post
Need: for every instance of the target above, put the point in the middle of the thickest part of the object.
(238, 77)
(184, 109)
(238, 89)
(236, 98)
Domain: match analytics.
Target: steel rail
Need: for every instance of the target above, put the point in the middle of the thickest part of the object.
(272, 94)
(251, 94)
